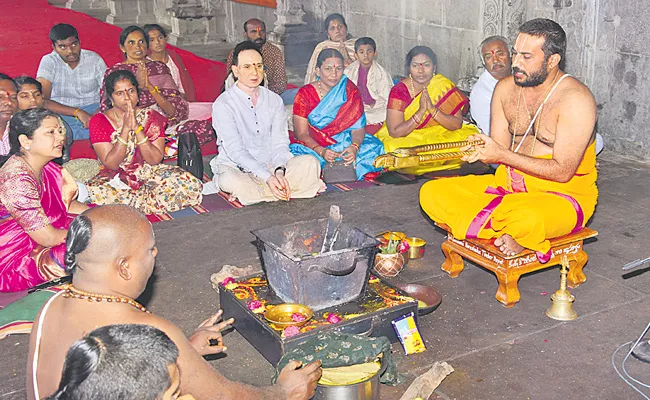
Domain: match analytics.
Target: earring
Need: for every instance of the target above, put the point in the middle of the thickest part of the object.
(27, 148)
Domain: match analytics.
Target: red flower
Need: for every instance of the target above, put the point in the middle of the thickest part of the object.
(290, 331)
(403, 247)
(333, 319)
(254, 305)
(297, 317)
(228, 281)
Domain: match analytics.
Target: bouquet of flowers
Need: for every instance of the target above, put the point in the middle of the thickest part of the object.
(394, 246)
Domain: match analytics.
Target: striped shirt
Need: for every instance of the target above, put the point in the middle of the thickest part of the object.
(73, 87)
(5, 146)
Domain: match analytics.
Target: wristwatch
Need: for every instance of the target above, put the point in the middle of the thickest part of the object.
(280, 168)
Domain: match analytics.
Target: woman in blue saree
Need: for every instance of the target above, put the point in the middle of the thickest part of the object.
(329, 121)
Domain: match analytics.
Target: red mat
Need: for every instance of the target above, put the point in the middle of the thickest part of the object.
(26, 25)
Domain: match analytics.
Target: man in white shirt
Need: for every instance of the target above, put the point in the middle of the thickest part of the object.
(254, 162)
(71, 77)
(498, 65)
(8, 107)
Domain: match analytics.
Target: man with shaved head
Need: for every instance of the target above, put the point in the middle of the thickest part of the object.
(111, 251)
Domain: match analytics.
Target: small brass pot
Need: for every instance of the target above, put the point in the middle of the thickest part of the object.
(281, 314)
(416, 247)
(389, 265)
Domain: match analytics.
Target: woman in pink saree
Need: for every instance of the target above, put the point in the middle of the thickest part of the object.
(157, 88)
(37, 198)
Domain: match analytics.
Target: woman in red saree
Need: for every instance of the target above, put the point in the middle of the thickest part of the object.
(157, 89)
(36, 199)
(129, 141)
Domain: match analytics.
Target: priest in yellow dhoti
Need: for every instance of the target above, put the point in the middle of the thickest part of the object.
(425, 108)
(545, 186)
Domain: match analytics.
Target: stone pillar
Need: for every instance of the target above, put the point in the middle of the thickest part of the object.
(195, 23)
(83, 5)
(292, 34)
(131, 12)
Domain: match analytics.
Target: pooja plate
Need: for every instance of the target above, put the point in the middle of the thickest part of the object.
(281, 315)
(428, 297)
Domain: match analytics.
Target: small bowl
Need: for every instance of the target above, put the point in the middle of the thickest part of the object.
(416, 247)
(280, 315)
(393, 235)
(425, 294)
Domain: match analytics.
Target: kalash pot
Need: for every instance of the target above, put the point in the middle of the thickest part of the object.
(298, 273)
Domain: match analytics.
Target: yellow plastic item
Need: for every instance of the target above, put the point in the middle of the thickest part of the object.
(349, 375)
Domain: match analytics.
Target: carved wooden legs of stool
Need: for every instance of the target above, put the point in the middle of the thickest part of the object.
(454, 263)
(508, 292)
(576, 276)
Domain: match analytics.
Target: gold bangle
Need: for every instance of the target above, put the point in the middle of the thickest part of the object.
(143, 141)
(414, 118)
(74, 114)
(355, 145)
(119, 139)
(155, 89)
(433, 116)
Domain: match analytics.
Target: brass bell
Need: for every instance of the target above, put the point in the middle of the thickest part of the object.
(562, 307)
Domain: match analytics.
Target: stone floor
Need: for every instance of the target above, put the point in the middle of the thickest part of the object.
(497, 353)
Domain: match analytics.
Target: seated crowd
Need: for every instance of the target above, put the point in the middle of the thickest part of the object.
(348, 113)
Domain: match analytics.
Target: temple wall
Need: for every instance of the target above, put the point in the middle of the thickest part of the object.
(608, 50)
(399, 25)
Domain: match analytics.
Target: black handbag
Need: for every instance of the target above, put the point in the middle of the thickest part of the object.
(190, 157)
(338, 172)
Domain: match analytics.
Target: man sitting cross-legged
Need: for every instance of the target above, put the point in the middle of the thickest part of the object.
(71, 77)
(254, 162)
(372, 80)
(111, 251)
(542, 134)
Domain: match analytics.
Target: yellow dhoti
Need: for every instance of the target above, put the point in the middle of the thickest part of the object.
(530, 209)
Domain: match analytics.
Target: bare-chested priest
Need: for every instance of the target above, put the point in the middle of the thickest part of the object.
(111, 252)
(542, 134)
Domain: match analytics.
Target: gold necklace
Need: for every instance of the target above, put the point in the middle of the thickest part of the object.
(119, 122)
(319, 89)
(412, 88)
(73, 292)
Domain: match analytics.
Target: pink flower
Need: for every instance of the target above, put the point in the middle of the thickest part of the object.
(290, 331)
(254, 305)
(403, 247)
(333, 319)
(297, 317)
(228, 281)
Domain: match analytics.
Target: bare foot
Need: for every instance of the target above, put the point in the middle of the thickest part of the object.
(508, 246)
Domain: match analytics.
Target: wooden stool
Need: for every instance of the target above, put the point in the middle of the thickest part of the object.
(508, 269)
